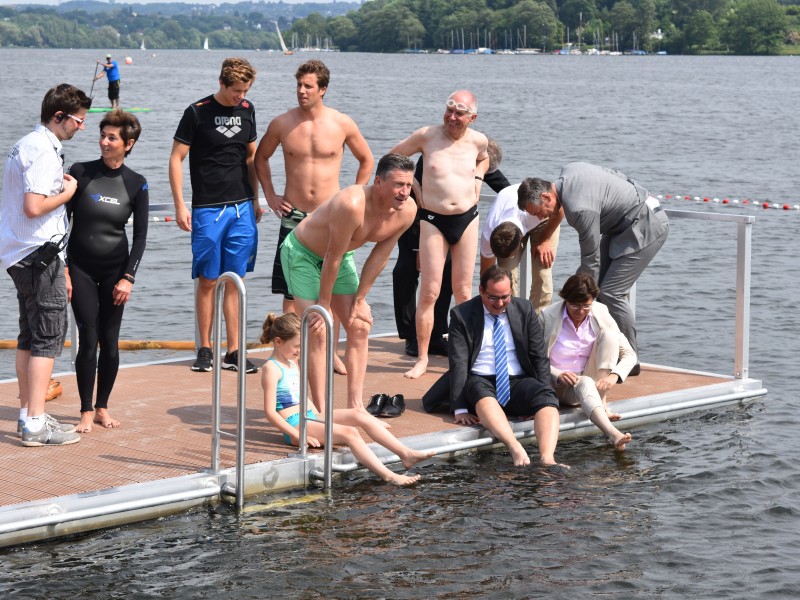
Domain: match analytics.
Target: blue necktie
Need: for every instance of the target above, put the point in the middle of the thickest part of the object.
(502, 385)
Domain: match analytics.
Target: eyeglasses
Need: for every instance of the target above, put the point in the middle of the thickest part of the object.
(460, 106)
(78, 120)
(579, 306)
(498, 298)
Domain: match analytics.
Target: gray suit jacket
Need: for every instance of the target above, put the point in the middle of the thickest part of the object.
(600, 202)
(466, 337)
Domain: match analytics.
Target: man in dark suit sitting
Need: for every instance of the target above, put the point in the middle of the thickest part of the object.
(477, 367)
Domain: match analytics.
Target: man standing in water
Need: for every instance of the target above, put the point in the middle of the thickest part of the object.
(33, 227)
(318, 263)
(313, 137)
(111, 70)
(449, 208)
(220, 130)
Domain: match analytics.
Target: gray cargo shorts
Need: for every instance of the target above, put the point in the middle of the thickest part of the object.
(42, 297)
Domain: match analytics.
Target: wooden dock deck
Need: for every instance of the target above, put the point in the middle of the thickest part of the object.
(165, 411)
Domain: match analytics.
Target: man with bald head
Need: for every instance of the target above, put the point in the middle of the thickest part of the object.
(455, 156)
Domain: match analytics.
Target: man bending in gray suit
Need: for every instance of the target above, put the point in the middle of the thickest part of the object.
(620, 229)
(507, 378)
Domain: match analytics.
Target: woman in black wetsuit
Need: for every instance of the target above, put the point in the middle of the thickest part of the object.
(101, 268)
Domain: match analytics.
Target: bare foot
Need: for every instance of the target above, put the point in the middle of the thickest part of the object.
(550, 461)
(415, 456)
(338, 365)
(85, 426)
(418, 370)
(103, 418)
(621, 441)
(612, 416)
(519, 456)
(398, 479)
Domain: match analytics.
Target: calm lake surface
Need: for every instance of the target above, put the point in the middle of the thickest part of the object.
(705, 506)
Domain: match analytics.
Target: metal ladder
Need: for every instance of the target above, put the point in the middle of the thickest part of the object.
(236, 490)
(327, 469)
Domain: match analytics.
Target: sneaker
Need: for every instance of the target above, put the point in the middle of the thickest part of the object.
(231, 362)
(49, 435)
(62, 427)
(205, 359)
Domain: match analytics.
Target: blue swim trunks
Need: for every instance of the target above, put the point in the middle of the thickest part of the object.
(303, 270)
(224, 238)
(294, 421)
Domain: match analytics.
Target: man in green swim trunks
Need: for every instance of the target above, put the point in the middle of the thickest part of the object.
(317, 259)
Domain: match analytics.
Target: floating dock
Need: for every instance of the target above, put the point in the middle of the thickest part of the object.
(159, 461)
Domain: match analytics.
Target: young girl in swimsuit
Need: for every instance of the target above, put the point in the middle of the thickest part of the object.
(281, 382)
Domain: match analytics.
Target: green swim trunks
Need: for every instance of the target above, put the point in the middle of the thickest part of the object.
(303, 270)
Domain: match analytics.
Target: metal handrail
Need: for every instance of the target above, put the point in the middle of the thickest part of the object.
(241, 389)
(741, 366)
(303, 448)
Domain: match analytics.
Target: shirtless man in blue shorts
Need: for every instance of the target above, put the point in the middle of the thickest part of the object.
(454, 156)
(220, 130)
(317, 259)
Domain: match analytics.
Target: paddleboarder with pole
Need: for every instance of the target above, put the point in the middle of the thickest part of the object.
(111, 69)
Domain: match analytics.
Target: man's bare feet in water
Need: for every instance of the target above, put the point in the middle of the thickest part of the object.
(85, 426)
(418, 370)
(102, 417)
(398, 479)
(620, 442)
(412, 457)
(338, 365)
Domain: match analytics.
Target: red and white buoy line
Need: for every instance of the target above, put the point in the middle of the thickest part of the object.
(745, 202)
(730, 201)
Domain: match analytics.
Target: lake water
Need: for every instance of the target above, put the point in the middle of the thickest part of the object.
(705, 506)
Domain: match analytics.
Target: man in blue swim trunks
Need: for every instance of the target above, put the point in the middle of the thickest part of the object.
(317, 260)
(220, 130)
(455, 156)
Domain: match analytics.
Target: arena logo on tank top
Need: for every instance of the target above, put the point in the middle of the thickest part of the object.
(105, 199)
(228, 126)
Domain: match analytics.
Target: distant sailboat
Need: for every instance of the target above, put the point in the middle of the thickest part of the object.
(142, 46)
(280, 38)
(205, 44)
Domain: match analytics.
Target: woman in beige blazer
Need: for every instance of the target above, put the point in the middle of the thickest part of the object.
(588, 353)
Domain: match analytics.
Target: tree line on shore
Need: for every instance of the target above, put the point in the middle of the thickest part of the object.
(674, 26)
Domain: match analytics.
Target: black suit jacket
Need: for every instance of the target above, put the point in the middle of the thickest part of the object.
(466, 337)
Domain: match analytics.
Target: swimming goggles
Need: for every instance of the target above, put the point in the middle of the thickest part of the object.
(460, 106)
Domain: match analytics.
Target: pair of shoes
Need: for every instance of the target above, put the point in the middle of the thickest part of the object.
(54, 390)
(231, 362)
(438, 347)
(636, 370)
(62, 427)
(411, 348)
(394, 407)
(383, 405)
(50, 434)
(205, 360)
